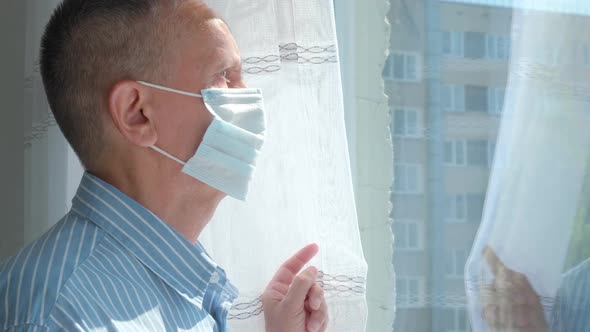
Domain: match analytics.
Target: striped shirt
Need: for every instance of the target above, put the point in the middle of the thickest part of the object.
(572, 305)
(110, 264)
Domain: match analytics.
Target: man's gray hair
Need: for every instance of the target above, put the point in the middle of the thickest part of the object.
(87, 47)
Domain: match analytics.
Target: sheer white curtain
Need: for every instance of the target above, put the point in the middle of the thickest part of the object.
(538, 188)
(303, 190)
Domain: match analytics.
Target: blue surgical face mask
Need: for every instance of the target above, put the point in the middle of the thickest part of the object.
(226, 158)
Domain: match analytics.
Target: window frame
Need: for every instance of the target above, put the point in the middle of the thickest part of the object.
(452, 253)
(456, 106)
(420, 238)
(404, 301)
(419, 179)
(457, 319)
(418, 130)
(389, 69)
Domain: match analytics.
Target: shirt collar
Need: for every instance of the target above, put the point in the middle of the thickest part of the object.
(185, 267)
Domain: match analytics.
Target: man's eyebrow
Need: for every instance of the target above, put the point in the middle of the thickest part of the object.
(227, 63)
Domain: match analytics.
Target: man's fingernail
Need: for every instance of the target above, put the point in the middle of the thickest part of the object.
(314, 326)
(315, 303)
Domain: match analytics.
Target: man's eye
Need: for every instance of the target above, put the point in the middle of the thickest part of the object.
(224, 75)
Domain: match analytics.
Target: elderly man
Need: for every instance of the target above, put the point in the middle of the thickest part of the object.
(149, 94)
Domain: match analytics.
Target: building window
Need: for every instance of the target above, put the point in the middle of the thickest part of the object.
(477, 153)
(407, 179)
(456, 208)
(586, 51)
(455, 153)
(405, 122)
(497, 47)
(476, 98)
(465, 207)
(468, 153)
(455, 263)
(402, 67)
(452, 43)
(453, 98)
(475, 44)
(475, 203)
(456, 320)
(473, 98)
(410, 291)
(408, 235)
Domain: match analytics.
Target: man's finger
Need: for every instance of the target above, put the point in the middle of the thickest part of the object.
(300, 287)
(293, 265)
(492, 259)
(315, 297)
(318, 319)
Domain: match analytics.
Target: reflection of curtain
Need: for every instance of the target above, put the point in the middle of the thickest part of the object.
(302, 191)
(52, 171)
(535, 189)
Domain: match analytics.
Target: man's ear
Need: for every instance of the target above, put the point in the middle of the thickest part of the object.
(131, 114)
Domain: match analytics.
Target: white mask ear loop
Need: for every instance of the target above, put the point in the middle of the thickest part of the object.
(168, 155)
(159, 87)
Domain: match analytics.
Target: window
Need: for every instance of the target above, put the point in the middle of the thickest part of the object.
(586, 55)
(468, 153)
(453, 98)
(465, 207)
(475, 45)
(497, 47)
(455, 263)
(402, 67)
(475, 203)
(408, 235)
(477, 153)
(410, 291)
(405, 122)
(476, 98)
(455, 153)
(456, 209)
(456, 320)
(407, 179)
(452, 43)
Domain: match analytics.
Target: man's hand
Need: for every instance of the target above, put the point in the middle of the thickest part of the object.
(510, 303)
(294, 302)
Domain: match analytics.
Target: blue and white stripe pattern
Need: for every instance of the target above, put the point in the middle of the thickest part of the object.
(572, 304)
(110, 264)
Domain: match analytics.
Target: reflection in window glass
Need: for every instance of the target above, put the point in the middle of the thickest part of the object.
(475, 44)
(448, 77)
(476, 98)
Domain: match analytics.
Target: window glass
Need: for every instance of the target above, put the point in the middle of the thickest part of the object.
(475, 44)
(477, 152)
(476, 98)
(459, 68)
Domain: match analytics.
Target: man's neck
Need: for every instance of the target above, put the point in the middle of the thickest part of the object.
(184, 203)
